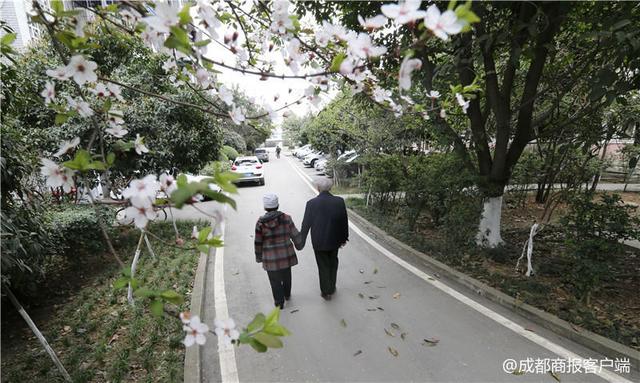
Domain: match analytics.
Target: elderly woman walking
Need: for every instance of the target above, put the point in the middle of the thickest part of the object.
(275, 232)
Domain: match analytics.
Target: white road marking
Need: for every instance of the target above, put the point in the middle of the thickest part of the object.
(535, 338)
(226, 353)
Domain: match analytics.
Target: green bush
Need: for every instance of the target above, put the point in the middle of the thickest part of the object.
(383, 177)
(77, 230)
(228, 153)
(215, 167)
(593, 232)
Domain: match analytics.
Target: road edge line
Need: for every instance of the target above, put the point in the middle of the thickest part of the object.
(518, 329)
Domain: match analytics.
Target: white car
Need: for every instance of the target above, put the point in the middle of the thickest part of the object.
(321, 164)
(305, 147)
(249, 169)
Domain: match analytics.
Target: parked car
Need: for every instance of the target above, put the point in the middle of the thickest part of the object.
(346, 155)
(262, 154)
(311, 159)
(301, 154)
(304, 147)
(249, 169)
(320, 165)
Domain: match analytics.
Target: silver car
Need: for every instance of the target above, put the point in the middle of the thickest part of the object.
(262, 154)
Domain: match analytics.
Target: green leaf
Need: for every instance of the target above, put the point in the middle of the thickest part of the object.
(219, 197)
(184, 16)
(257, 345)
(181, 180)
(81, 161)
(57, 6)
(172, 296)
(337, 61)
(276, 329)
(244, 338)
(8, 39)
(134, 283)
(156, 307)
(179, 39)
(620, 24)
(61, 118)
(120, 282)
(256, 323)
(96, 165)
(203, 248)
(111, 158)
(126, 272)
(268, 340)
(202, 43)
(273, 317)
(215, 242)
(204, 233)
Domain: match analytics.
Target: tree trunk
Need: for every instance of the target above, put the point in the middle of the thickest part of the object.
(489, 229)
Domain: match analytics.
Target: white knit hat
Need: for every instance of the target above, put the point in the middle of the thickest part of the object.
(270, 201)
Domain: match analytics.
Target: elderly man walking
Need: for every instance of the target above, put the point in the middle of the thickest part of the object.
(326, 217)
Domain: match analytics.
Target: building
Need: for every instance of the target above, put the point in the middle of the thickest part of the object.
(17, 15)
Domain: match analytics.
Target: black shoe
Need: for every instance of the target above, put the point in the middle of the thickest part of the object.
(281, 305)
(287, 298)
(326, 297)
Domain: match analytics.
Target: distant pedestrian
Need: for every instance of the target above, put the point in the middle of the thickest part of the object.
(278, 151)
(275, 232)
(326, 217)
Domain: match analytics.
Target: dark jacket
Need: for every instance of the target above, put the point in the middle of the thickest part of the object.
(326, 217)
(274, 233)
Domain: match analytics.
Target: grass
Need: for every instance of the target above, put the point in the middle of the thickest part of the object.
(614, 311)
(99, 337)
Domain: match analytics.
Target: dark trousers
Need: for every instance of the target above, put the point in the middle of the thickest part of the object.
(327, 270)
(280, 285)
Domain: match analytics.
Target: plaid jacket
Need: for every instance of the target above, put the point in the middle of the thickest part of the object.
(274, 233)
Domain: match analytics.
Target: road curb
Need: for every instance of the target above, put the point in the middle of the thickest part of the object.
(193, 355)
(561, 327)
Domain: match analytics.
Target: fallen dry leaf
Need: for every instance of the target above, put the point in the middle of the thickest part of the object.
(361, 271)
(576, 328)
(393, 351)
(431, 342)
(395, 325)
(374, 296)
(294, 311)
(343, 323)
(358, 353)
(403, 335)
(529, 329)
(396, 295)
(380, 308)
(375, 271)
(66, 328)
(367, 282)
(389, 332)
(556, 377)
(361, 295)
(372, 309)
(113, 338)
(518, 372)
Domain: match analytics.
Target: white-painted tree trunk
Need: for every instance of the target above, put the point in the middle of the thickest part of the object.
(489, 229)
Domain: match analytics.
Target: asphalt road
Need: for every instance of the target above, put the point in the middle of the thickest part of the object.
(344, 340)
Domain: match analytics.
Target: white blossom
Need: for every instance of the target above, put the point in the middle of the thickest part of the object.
(406, 68)
(49, 92)
(185, 316)
(194, 232)
(226, 330)
(57, 176)
(433, 94)
(139, 145)
(100, 90)
(66, 146)
(237, 115)
(462, 102)
(117, 131)
(167, 183)
(443, 113)
(142, 192)
(203, 77)
(381, 95)
(140, 215)
(164, 18)
(59, 73)
(403, 12)
(372, 23)
(363, 47)
(442, 25)
(357, 88)
(324, 34)
(196, 331)
(209, 19)
(81, 107)
(281, 21)
(115, 91)
(225, 95)
(115, 118)
(82, 70)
